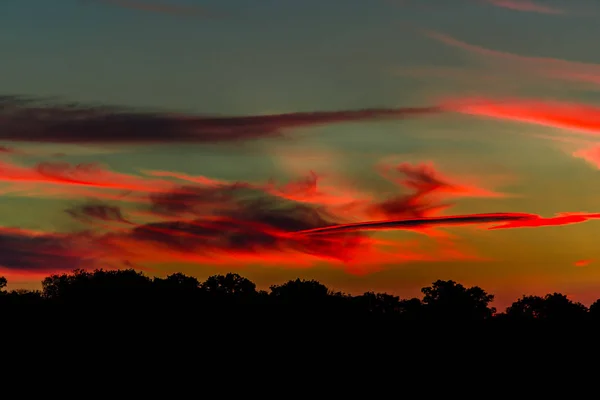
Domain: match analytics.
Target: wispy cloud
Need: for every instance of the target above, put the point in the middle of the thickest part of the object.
(548, 67)
(525, 5)
(569, 118)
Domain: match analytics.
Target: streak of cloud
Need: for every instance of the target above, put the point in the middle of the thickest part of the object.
(515, 220)
(558, 220)
(26, 121)
(525, 5)
(419, 222)
(77, 176)
(554, 68)
(575, 117)
(567, 117)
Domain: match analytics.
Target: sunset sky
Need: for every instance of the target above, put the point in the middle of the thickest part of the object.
(215, 136)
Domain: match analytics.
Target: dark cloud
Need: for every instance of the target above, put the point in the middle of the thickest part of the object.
(97, 211)
(23, 251)
(239, 219)
(6, 150)
(198, 200)
(423, 182)
(28, 120)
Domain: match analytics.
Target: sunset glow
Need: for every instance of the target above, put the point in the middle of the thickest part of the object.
(305, 139)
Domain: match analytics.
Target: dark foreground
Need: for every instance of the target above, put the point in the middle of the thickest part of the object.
(129, 299)
(122, 320)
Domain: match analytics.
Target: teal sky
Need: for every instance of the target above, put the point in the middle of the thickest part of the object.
(284, 56)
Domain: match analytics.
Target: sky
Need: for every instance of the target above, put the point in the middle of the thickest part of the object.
(372, 145)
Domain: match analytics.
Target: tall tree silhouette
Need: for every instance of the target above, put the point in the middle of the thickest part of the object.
(229, 299)
(230, 284)
(3, 283)
(300, 291)
(181, 281)
(300, 299)
(448, 300)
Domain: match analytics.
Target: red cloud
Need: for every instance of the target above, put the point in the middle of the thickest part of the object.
(215, 221)
(560, 219)
(59, 179)
(579, 118)
(207, 220)
(590, 154)
(582, 263)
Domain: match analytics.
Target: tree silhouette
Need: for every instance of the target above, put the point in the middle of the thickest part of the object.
(411, 309)
(181, 281)
(100, 295)
(448, 300)
(552, 307)
(232, 303)
(300, 299)
(230, 284)
(177, 285)
(526, 308)
(229, 299)
(594, 311)
(559, 307)
(379, 303)
(176, 293)
(300, 291)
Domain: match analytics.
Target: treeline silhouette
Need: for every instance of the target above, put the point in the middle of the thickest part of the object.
(128, 298)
